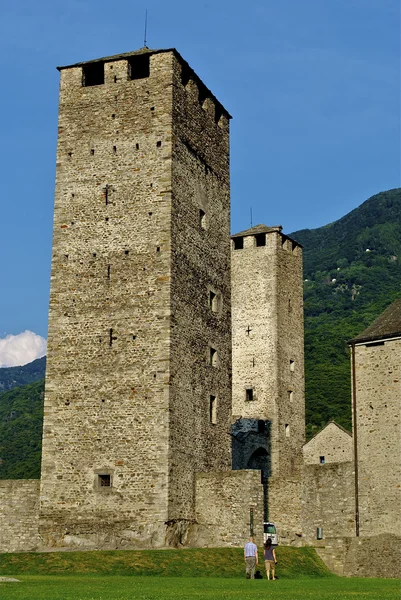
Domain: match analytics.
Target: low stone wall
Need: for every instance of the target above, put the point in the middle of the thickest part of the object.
(387, 552)
(19, 515)
(284, 509)
(328, 501)
(223, 503)
(376, 556)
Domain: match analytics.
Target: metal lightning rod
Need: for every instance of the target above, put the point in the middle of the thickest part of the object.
(146, 28)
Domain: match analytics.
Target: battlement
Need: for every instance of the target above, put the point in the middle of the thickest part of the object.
(264, 236)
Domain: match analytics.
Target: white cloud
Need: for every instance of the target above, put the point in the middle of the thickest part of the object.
(17, 350)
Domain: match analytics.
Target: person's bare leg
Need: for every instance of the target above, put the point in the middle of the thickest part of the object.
(273, 573)
(268, 572)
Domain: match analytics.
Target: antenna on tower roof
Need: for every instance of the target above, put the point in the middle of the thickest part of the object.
(146, 29)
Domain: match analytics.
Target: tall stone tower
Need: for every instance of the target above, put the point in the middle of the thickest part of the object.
(268, 367)
(138, 394)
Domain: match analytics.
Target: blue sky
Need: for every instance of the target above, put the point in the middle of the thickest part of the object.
(313, 87)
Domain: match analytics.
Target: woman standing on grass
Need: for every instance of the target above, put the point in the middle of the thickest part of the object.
(270, 558)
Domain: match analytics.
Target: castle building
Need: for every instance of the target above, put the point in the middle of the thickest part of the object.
(376, 377)
(138, 389)
(268, 368)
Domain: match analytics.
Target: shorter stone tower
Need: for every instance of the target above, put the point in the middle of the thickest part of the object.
(268, 368)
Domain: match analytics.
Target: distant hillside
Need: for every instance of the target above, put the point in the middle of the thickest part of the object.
(11, 377)
(21, 418)
(352, 272)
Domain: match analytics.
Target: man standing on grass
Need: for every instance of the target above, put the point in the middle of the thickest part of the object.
(251, 558)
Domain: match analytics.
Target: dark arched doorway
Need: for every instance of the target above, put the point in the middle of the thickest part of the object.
(258, 460)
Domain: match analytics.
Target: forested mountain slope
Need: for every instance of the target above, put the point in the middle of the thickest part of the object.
(21, 418)
(11, 377)
(352, 272)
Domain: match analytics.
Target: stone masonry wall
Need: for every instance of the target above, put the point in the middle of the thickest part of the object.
(107, 380)
(328, 501)
(223, 503)
(378, 398)
(200, 241)
(267, 305)
(128, 383)
(333, 444)
(19, 515)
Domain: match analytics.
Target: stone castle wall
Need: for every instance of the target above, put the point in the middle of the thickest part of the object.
(331, 445)
(226, 521)
(378, 399)
(328, 501)
(19, 515)
(129, 376)
(200, 266)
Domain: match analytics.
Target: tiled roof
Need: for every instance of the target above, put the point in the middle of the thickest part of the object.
(385, 326)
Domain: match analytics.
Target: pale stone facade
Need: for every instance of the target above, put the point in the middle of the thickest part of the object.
(377, 364)
(333, 444)
(19, 515)
(137, 349)
(268, 367)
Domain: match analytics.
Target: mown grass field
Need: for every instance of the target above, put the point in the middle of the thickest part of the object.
(100, 587)
(203, 573)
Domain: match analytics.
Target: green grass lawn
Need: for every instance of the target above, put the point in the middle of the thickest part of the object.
(100, 587)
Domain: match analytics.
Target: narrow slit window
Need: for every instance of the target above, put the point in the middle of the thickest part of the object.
(292, 366)
(93, 74)
(249, 395)
(260, 239)
(213, 410)
(290, 395)
(202, 219)
(322, 460)
(212, 357)
(138, 67)
(213, 301)
(287, 430)
(238, 243)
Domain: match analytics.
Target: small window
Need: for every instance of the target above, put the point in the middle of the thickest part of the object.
(249, 394)
(238, 243)
(322, 460)
(260, 239)
(202, 219)
(138, 67)
(213, 302)
(93, 74)
(287, 430)
(292, 366)
(290, 395)
(213, 357)
(104, 481)
(213, 410)
(319, 533)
